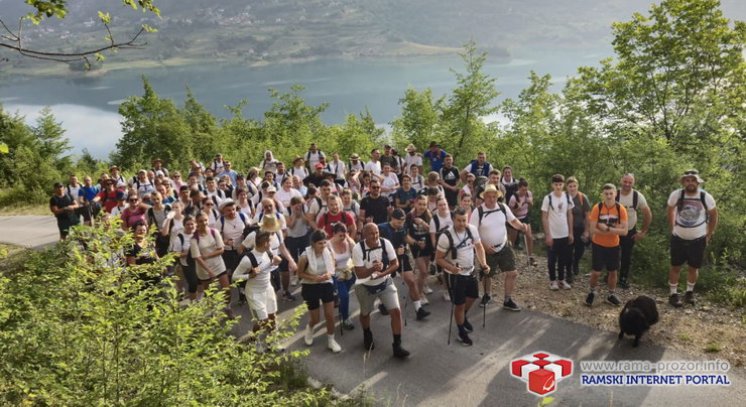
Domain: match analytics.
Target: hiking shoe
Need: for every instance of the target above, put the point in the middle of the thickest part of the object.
(427, 290)
(675, 301)
(368, 343)
(689, 298)
(613, 300)
(467, 326)
(589, 299)
(333, 345)
(553, 285)
(510, 305)
(532, 261)
(486, 299)
(400, 352)
(382, 309)
(623, 283)
(308, 337)
(241, 297)
(422, 314)
(564, 284)
(346, 324)
(464, 339)
(287, 296)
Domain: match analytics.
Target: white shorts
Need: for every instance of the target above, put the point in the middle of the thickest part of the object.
(262, 301)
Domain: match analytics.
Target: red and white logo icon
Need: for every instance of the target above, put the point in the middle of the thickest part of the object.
(541, 371)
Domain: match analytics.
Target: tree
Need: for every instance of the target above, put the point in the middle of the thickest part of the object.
(419, 119)
(14, 40)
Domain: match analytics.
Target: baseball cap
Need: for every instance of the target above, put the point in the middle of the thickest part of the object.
(398, 214)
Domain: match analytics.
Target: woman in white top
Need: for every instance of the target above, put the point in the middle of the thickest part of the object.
(207, 248)
(243, 204)
(316, 270)
(341, 246)
(186, 271)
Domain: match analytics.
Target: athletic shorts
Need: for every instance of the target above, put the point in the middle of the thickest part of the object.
(231, 258)
(261, 300)
(426, 252)
(691, 252)
(504, 260)
(313, 293)
(605, 258)
(389, 297)
(462, 287)
(210, 279)
(404, 264)
(525, 220)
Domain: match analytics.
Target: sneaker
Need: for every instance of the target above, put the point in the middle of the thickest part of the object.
(333, 345)
(486, 299)
(346, 324)
(675, 300)
(400, 352)
(287, 296)
(464, 339)
(613, 300)
(510, 305)
(424, 300)
(532, 261)
(446, 296)
(689, 298)
(467, 326)
(294, 281)
(308, 337)
(368, 343)
(427, 290)
(564, 284)
(554, 286)
(589, 299)
(623, 283)
(422, 314)
(382, 309)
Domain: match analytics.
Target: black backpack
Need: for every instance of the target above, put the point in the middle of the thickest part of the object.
(680, 205)
(382, 246)
(453, 249)
(550, 200)
(500, 208)
(618, 211)
(635, 197)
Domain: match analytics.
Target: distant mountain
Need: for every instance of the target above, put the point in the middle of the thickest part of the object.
(265, 31)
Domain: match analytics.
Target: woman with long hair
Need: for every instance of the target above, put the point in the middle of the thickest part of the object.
(207, 248)
(341, 246)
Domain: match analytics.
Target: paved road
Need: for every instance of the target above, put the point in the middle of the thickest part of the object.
(440, 375)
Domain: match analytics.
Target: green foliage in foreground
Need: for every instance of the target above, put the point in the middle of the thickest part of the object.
(79, 329)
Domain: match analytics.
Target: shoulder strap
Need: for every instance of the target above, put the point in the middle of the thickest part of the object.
(222, 223)
(600, 206)
(451, 246)
(436, 219)
(680, 203)
(635, 198)
(181, 238)
(550, 201)
(252, 259)
(384, 253)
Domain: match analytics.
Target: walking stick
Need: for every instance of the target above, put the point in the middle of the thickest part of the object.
(528, 255)
(450, 292)
(406, 296)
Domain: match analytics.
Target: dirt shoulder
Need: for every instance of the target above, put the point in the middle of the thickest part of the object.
(708, 329)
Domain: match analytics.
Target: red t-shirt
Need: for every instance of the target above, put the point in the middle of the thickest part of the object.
(327, 220)
(108, 200)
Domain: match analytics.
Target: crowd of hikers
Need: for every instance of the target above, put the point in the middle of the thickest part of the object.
(334, 226)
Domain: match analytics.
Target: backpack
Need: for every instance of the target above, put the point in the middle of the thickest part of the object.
(222, 221)
(680, 205)
(550, 200)
(618, 211)
(382, 246)
(500, 208)
(453, 249)
(635, 197)
(151, 215)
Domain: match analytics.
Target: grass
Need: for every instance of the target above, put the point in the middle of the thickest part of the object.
(713, 347)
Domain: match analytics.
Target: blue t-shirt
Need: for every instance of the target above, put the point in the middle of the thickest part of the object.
(88, 193)
(406, 196)
(436, 160)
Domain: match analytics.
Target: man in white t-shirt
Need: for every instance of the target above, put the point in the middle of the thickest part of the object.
(412, 158)
(374, 259)
(692, 218)
(231, 226)
(455, 254)
(634, 202)
(374, 165)
(556, 217)
(490, 219)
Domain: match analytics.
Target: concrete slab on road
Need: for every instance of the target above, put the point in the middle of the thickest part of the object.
(438, 374)
(29, 231)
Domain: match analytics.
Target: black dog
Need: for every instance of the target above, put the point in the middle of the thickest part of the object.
(637, 316)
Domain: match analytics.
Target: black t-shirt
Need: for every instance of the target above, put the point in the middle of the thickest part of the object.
(377, 208)
(62, 202)
(451, 177)
(141, 255)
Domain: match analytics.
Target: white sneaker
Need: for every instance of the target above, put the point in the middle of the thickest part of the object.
(554, 286)
(308, 337)
(294, 280)
(446, 296)
(564, 284)
(427, 290)
(424, 300)
(333, 345)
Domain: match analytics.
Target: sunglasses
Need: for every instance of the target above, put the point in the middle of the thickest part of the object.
(132, 200)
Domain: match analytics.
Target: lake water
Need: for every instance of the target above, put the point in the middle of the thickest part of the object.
(88, 109)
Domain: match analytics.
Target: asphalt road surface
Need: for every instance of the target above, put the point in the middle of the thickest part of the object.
(438, 374)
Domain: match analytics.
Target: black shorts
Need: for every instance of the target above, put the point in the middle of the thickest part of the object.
(231, 258)
(213, 278)
(462, 287)
(605, 258)
(312, 293)
(691, 252)
(426, 252)
(404, 264)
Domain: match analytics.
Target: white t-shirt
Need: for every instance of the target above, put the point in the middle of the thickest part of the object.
(338, 168)
(359, 259)
(557, 214)
(492, 229)
(374, 167)
(410, 160)
(178, 247)
(232, 229)
(275, 241)
(285, 196)
(627, 201)
(208, 244)
(691, 221)
(313, 158)
(389, 184)
(264, 263)
(464, 248)
(442, 222)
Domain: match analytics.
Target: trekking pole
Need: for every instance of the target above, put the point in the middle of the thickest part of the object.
(528, 255)
(406, 296)
(450, 293)
(484, 309)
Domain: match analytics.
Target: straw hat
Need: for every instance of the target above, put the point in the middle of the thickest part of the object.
(491, 188)
(270, 224)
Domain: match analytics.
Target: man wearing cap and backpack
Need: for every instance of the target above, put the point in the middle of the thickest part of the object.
(634, 202)
(692, 218)
(490, 219)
